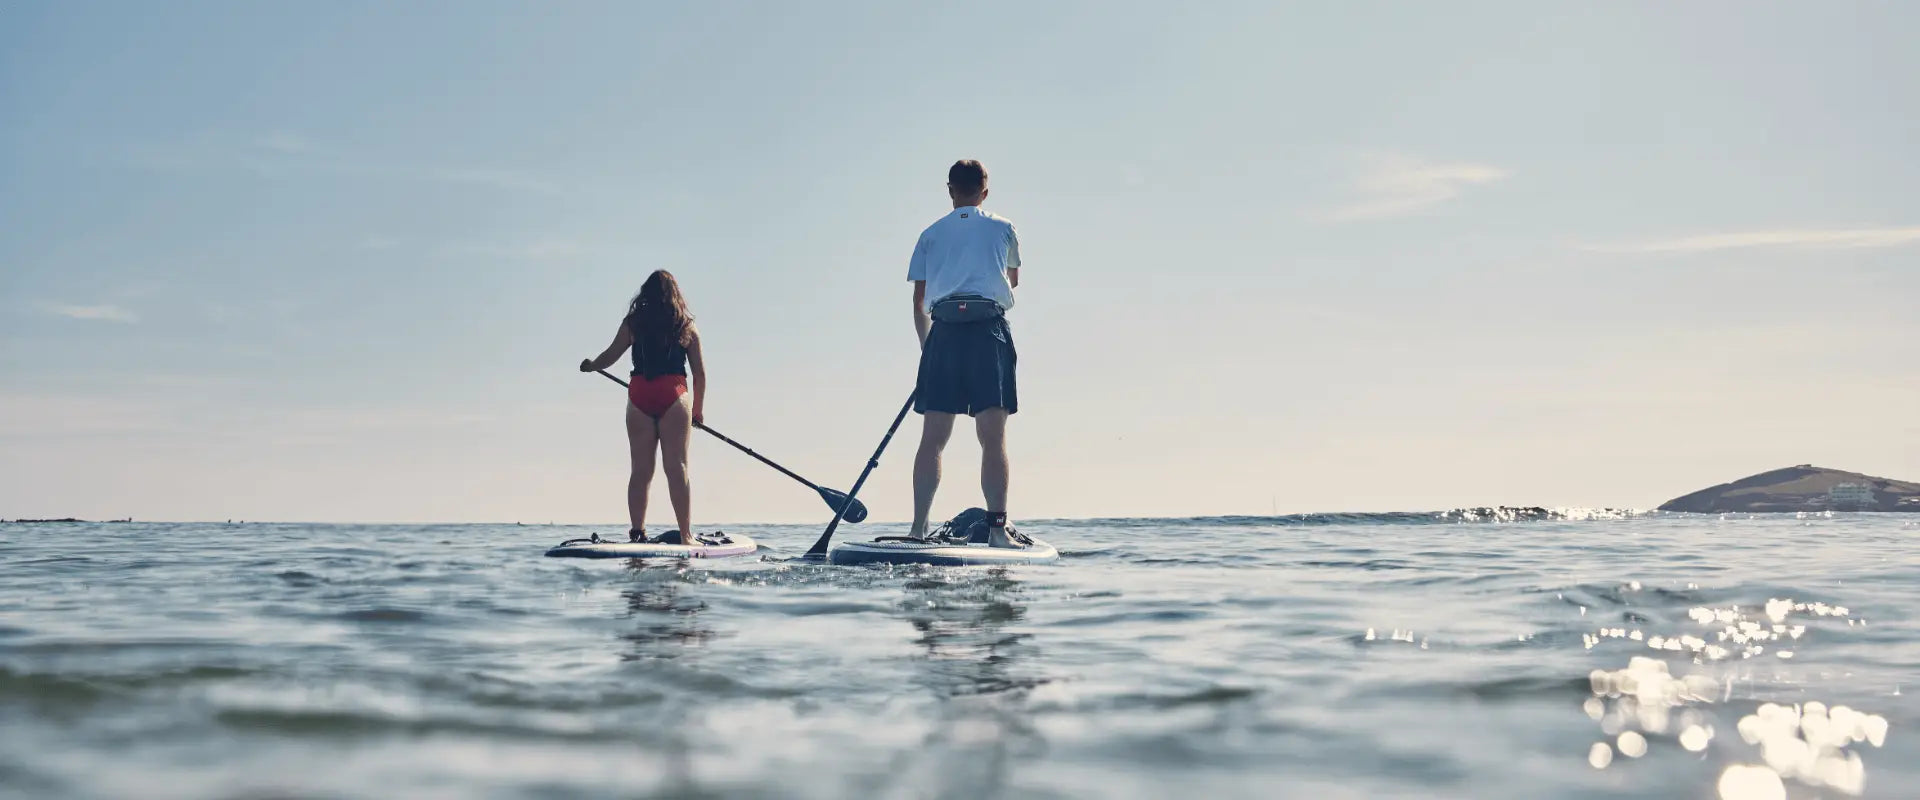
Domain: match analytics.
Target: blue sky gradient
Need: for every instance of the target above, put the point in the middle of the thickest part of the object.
(337, 261)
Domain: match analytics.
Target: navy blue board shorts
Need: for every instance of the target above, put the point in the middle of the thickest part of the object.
(967, 368)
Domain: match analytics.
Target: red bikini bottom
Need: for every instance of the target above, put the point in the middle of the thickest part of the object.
(653, 396)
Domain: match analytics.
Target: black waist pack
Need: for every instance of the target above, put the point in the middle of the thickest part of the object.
(966, 308)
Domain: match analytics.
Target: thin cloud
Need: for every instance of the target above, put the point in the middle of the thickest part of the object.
(178, 405)
(540, 250)
(283, 154)
(1399, 185)
(283, 142)
(1838, 239)
(40, 415)
(105, 313)
(512, 180)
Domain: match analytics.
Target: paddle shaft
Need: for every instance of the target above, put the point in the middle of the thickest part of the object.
(763, 459)
(819, 548)
(743, 448)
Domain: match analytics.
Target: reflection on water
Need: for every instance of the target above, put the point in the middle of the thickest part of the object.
(670, 619)
(980, 669)
(962, 619)
(671, 625)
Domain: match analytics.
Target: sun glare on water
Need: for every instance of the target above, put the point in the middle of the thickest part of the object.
(1809, 743)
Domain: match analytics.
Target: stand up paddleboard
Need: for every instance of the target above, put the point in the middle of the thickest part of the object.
(960, 542)
(705, 545)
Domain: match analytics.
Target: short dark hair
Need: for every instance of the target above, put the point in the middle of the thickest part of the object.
(967, 175)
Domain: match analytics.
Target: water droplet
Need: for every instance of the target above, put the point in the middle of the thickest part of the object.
(1632, 744)
(1751, 782)
(1876, 728)
(1695, 738)
(1600, 755)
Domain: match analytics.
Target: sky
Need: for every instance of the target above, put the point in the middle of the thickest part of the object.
(339, 261)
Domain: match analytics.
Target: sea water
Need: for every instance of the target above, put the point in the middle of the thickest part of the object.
(1502, 655)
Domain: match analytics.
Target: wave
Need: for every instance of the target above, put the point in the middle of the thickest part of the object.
(1456, 516)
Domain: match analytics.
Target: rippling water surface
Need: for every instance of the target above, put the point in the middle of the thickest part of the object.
(1325, 657)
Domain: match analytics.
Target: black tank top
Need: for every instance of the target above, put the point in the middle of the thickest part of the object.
(656, 356)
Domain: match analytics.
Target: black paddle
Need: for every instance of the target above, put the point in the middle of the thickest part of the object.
(842, 504)
(819, 548)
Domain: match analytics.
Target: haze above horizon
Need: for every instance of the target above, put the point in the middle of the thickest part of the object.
(337, 262)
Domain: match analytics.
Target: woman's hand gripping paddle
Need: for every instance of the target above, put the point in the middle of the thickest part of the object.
(848, 508)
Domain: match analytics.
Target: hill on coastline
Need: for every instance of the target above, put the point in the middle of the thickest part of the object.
(1802, 488)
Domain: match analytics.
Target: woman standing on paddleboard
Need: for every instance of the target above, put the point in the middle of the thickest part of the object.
(664, 342)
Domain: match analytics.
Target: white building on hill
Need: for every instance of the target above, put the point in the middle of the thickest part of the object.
(1850, 497)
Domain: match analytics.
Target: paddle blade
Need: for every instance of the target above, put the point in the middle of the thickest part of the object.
(835, 500)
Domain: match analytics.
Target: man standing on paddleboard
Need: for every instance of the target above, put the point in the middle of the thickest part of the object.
(964, 269)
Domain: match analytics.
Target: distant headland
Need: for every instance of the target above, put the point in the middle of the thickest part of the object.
(62, 519)
(1802, 488)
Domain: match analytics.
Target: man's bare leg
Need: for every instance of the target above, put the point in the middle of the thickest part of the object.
(991, 426)
(926, 467)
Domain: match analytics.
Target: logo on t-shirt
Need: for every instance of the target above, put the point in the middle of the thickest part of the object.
(963, 216)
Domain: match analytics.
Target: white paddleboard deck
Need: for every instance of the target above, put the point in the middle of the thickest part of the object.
(706, 545)
(941, 553)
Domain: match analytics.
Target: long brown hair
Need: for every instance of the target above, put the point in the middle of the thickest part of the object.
(659, 312)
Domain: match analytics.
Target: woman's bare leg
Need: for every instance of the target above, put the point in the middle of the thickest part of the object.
(641, 436)
(676, 429)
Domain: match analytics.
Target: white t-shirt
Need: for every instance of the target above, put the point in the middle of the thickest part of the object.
(966, 252)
